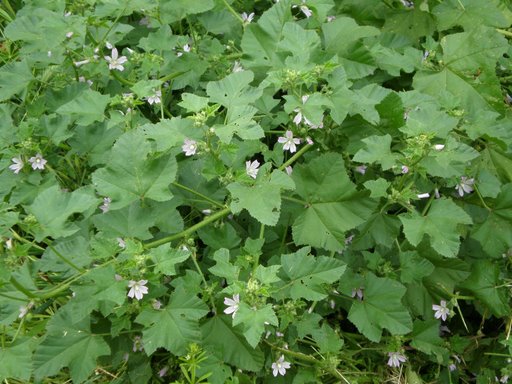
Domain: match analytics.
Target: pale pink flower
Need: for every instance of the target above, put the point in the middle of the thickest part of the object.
(405, 169)
(280, 366)
(247, 18)
(106, 204)
(306, 11)
(252, 168)
(189, 147)
(465, 185)
(358, 292)
(232, 304)
(37, 161)
(116, 62)
(361, 169)
(289, 142)
(441, 311)
(137, 289)
(17, 165)
(395, 359)
(155, 98)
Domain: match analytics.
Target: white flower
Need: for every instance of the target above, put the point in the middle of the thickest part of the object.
(405, 169)
(144, 21)
(106, 204)
(395, 359)
(465, 185)
(309, 140)
(289, 142)
(288, 170)
(80, 63)
(247, 18)
(441, 310)
(298, 117)
(237, 67)
(280, 366)
(155, 99)
(358, 292)
(24, 309)
(121, 242)
(439, 147)
(437, 194)
(114, 61)
(423, 195)
(252, 168)
(187, 48)
(137, 344)
(331, 18)
(137, 289)
(37, 161)
(361, 169)
(17, 165)
(69, 35)
(49, 53)
(189, 147)
(306, 11)
(232, 304)
(108, 45)
(407, 3)
(8, 243)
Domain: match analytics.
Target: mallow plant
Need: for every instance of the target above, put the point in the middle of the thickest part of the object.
(255, 191)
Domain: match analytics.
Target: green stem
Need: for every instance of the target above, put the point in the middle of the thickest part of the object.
(292, 159)
(23, 240)
(481, 198)
(120, 78)
(504, 32)
(294, 200)
(233, 12)
(172, 76)
(65, 260)
(194, 259)
(21, 288)
(427, 206)
(186, 232)
(185, 188)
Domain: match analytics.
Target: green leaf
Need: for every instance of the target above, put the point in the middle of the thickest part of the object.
(239, 120)
(306, 275)
(175, 326)
(259, 42)
(440, 224)
(166, 258)
(131, 221)
(451, 161)
(377, 151)
(233, 90)
(414, 267)
(229, 345)
(300, 42)
(425, 338)
(71, 345)
(471, 13)
(493, 233)
(446, 276)
(263, 199)
(132, 174)
(365, 100)
(14, 78)
(86, 108)
(223, 268)
(381, 308)
(333, 204)
(347, 30)
(379, 229)
(428, 119)
(53, 207)
(179, 9)
(193, 103)
(485, 283)
(16, 360)
(253, 321)
(169, 133)
(377, 187)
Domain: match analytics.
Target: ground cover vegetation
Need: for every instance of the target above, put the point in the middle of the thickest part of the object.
(252, 191)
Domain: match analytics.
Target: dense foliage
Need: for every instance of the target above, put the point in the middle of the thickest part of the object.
(244, 191)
